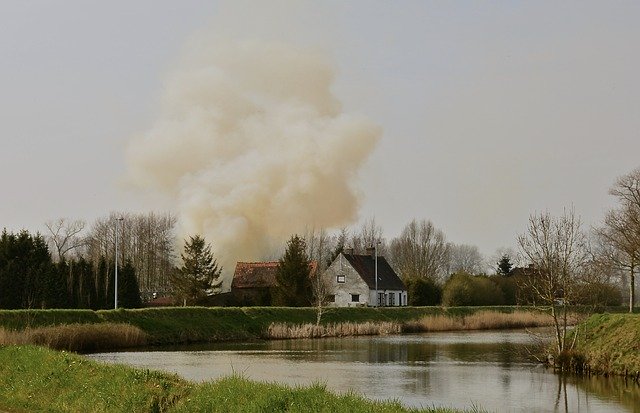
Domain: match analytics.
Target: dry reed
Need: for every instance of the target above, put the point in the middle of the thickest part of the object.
(77, 337)
(482, 320)
(283, 331)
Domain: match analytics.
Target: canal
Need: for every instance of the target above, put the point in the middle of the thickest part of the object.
(487, 369)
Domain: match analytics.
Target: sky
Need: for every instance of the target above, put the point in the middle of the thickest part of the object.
(487, 111)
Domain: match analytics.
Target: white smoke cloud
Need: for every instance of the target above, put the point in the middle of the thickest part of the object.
(253, 147)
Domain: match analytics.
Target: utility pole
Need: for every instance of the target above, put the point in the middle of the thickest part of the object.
(375, 248)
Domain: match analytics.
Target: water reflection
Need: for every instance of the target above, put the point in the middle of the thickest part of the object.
(460, 369)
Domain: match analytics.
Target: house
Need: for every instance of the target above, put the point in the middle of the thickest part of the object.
(253, 281)
(351, 282)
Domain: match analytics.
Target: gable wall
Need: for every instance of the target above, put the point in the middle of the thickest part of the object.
(353, 284)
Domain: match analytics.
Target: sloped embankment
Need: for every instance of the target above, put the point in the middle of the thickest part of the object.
(610, 344)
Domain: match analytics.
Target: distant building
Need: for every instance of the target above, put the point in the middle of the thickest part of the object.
(253, 282)
(351, 282)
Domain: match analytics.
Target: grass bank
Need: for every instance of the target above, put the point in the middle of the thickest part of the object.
(608, 344)
(38, 379)
(199, 324)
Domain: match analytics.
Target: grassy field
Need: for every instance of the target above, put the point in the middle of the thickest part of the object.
(610, 343)
(38, 379)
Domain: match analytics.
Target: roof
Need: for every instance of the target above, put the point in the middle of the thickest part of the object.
(365, 265)
(255, 274)
(259, 274)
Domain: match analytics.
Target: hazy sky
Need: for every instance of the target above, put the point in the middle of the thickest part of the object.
(489, 111)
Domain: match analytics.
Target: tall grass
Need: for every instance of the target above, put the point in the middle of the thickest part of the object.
(77, 337)
(482, 320)
(283, 330)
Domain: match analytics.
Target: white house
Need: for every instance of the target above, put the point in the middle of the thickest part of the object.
(350, 281)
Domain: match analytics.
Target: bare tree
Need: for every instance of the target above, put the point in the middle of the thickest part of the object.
(420, 251)
(465, 258)
(558, 250)
(621, 229)
(319, 250)
(64, 236)
(370, 234)
(147, 240)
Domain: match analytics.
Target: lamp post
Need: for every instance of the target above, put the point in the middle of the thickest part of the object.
(375, 249)
(115, 303)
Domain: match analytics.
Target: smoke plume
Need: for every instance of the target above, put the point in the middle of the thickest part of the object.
(253, 147)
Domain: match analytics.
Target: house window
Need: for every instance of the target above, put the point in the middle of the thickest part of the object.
(331, 298)
(381, 302)
(355, 298)
(340, 278)
(392, 299)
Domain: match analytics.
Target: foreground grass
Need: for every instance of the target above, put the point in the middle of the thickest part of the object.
(610, 344)
(39, 379)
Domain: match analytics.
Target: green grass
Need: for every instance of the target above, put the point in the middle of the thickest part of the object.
(610, 343)
(38, 379)
(21, 319)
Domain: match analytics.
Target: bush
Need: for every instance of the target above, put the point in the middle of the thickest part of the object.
(423, 291)
(509, 288)
(463, 289)
(599, 294)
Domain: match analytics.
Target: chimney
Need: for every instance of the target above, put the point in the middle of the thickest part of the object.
(348, 251)
(371, 251)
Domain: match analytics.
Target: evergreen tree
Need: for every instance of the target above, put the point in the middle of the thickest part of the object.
(56, 288)
(199, 275)
(25, 265)
(128, 289)
(293, 277)
(504, 266)
(101, 284)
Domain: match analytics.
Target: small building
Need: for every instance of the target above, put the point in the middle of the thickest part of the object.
(253, 282)
(351, 282)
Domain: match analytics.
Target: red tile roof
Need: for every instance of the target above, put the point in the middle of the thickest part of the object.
(255, 274)
(259, 274)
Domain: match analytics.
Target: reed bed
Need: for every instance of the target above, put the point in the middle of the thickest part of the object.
(483, 320)
(284, 331)
(77, 337)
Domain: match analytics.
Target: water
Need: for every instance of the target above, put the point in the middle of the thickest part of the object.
(490, 370)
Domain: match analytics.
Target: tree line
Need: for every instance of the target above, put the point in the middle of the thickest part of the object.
(30, 278)
(436, 271)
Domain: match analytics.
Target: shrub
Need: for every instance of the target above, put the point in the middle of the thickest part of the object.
(508, 287)
(599, 294)
(423, 291)
(463, 289)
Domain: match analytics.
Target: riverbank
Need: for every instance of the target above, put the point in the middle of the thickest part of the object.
(38, 379)
(180, 325)
(608, 344)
